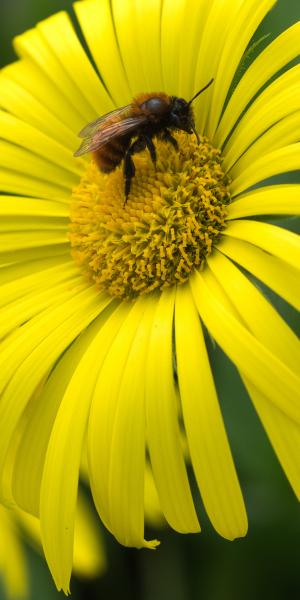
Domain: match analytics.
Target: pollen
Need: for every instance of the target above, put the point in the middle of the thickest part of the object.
(172, 219)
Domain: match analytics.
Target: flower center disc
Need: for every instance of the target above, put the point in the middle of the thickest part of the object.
(173, 216)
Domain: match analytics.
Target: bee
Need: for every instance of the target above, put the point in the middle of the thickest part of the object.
(130, 129)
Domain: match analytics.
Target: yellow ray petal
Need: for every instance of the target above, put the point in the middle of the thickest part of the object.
(22, 134)
(276, 240)
(25, 162)
(252, 358)
(31, 239)
(275, 273)
(279, 161)
(163, 433)
(12, 272)
(39, 343)
(97, 24)
(278, 100)
(60, 36)
(256, 312)
(116, 342)
(127, 461)
(21, 280)
(13, 566)
(195, 14)
(59, 488)
(34, 45)
(172, 12)
(23, 104)
(217, 27)
(14, 182)
(153, 512)
(125, 22)
(148, 42)
(33, 303)
(279, 53)
(18, 206)
(206, 436)
(21, 224)
(283, 433)
(31, 78)
(283, 133)
(268, 200)
(89, 558)
(40, 416)
(243, 25)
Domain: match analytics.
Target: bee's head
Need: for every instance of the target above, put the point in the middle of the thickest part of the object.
(181, 114)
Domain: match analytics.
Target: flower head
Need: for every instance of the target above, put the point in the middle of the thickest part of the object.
(105, 306)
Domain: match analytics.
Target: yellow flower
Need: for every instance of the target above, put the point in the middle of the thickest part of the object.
(17, 526)
(115, 344)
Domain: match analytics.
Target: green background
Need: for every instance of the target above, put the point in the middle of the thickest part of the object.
(266, 562)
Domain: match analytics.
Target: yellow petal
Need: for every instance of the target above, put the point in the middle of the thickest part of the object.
(21, 278)
(172, 12)
(284, 435)
(14, 182)
(276, 240)
(195, 14)
(31, 78)
(206, 435)
(112, 449)
(36, 347)
(153, 512)
(31, 239)
(149, 38)
(127, 461)
(126, 34)
(256, 312)
(217, 24)
(21, 133)
(268, 200)
(33, 303)
(279, 161)
(278, 100)
(163, 433)
(23, 104)
(242, 27)
(34, 46)
(58, 34)
(40, 416)
(283, 133)
(96, 21)
(252, 358)
(13, 567)
(18, 206)
(283, 432)
(89, 558)
(278, 275)
(277, 54)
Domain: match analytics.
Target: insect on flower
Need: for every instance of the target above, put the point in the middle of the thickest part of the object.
(110, 137)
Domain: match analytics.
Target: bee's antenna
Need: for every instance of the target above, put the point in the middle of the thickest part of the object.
(202, 90)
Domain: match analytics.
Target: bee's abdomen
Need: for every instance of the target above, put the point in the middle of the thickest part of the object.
(111, 155)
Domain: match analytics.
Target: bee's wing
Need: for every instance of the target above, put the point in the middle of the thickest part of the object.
(92, 127)
(107, 132)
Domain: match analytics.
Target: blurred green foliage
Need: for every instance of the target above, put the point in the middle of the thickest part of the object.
(263, 565)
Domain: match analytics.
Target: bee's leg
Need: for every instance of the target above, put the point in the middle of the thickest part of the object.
(167, 137)
(129, 168)
(152, 150)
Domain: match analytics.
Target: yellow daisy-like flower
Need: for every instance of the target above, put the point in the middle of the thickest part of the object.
(104, 304)
(16, 526)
